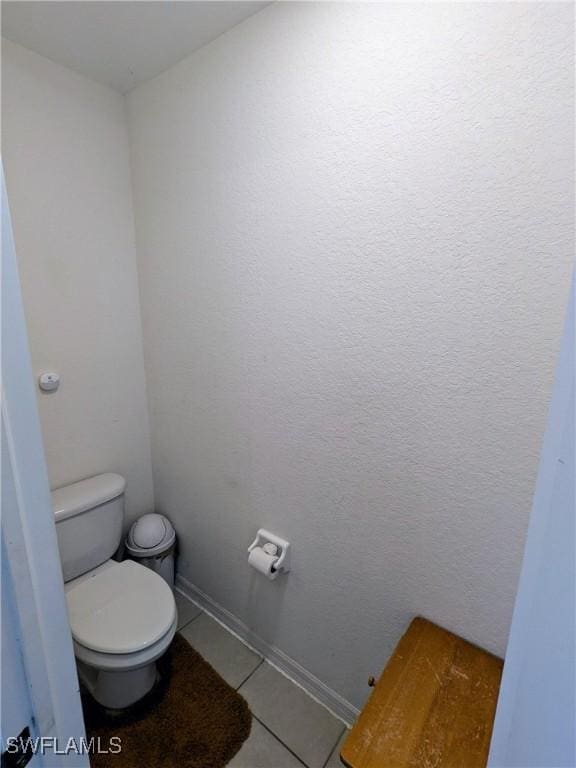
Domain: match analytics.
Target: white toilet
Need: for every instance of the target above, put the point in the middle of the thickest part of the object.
(122, 615)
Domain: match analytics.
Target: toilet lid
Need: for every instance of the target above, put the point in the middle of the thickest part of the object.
(120, 608)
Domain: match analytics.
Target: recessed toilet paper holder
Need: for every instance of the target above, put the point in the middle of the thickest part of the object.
(264, 538)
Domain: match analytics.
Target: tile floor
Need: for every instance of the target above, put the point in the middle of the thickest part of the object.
(289, 729)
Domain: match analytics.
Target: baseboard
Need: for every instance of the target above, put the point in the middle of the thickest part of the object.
(314, 687)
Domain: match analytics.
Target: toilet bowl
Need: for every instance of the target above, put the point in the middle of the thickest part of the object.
(122, 615)
(123, 618)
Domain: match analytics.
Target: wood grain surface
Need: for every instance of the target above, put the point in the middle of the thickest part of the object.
(433, 706)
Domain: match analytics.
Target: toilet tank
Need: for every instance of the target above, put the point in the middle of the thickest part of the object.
(89, 517)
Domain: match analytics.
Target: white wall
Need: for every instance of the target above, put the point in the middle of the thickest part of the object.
(354, 228)
(65, 150)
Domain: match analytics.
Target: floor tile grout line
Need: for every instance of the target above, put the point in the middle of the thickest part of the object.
(251, 673)
(279, 740)
(334, 747)
(189, 622)
(248, 676)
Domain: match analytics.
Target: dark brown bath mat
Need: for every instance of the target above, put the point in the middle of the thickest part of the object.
(192, 719)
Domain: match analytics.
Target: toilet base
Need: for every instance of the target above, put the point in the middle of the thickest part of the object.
(117, 689)
(117, 680)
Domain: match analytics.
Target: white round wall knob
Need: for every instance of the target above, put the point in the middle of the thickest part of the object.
(49, 382)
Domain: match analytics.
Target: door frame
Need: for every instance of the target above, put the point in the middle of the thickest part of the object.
(29, 538)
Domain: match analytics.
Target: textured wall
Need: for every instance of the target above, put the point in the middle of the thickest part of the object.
(354, 227)
(65, 153)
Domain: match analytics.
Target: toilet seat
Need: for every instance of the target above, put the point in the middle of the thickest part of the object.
(123, 662)
(120, 610)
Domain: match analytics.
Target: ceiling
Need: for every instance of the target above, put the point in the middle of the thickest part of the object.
(120, 44)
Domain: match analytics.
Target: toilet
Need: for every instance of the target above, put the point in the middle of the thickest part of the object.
(122, 615)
